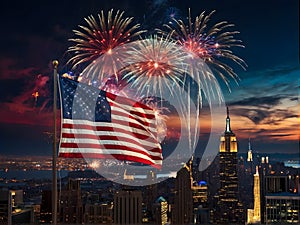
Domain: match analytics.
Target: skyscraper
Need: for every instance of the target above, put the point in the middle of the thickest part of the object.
(183, 203)
(256, 192)
(228, 207)
(250, 157)
(200, 204)
(11, 208)
(282, 208)
(70, 205)
(46, 207)
(255, 215)
(161, 211)
(128, 207)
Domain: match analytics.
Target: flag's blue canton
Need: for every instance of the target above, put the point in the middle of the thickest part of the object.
(81, 101)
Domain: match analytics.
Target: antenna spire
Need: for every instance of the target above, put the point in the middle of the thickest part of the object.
(227, 112)
(228, 129)
(249, 144)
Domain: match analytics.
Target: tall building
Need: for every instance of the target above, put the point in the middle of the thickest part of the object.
(70, 203)
(149, 196)
(161, 211)
(128, 207)
(98, 213)
(200, 204)
(229, 208)
(250, 158)
(279, 195)
(12, 210)
(256, 193)
(254, 216)
(282, 208)
(46, 207)
(182, 212)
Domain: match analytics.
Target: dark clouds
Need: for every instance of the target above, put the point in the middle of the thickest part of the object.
(268, 96)
(265, 102)
(267, 116)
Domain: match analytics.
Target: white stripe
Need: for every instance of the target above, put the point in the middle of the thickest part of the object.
(108, 152)
(114, 142)
(117, 118)
(144, 119)
(116, 134)
(106, 124)
(130, 134)
(131, 108)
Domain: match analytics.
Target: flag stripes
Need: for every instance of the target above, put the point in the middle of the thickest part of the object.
(129, 135)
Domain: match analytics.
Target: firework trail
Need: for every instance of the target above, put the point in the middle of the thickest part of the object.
(100, 38)
(208, 47)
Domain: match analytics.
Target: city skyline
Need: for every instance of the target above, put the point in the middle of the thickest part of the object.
(263, 106)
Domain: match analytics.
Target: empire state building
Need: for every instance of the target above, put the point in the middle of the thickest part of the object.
(229, 207)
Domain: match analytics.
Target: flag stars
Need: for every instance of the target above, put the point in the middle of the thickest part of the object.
(90, 104)
(84, 102)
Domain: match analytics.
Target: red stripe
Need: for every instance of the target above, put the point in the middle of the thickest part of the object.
(127, 115)
(111, 146)
(112, 156)
(127, 101)
(143, 115)
(111, 129)
(137, 113)
(132, 125)
(145, 123)
(99, 128)
(142, 120)
(103, 137)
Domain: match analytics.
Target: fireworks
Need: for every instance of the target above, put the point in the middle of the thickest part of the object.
(155, 66)
(207, 47)
(210, 45)
(170, 14)
(161, 117)
(99, 38)
(176, 66)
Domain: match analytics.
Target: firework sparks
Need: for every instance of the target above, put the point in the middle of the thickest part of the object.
(209, 44)
(155, 65)
(160, 115)
(158, 67)
(178, 64)
(170, 14)
(101, 37)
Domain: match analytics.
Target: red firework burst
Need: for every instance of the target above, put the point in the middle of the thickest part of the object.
(101, 36)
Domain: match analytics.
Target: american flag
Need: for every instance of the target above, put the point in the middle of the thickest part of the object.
(98, 124)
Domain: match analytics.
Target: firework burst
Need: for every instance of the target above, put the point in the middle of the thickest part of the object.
(101, 37)
(160, 115)
(210, 44)
(158, 66)
(155, 65)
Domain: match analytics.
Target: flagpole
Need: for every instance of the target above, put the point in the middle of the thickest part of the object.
(54, 172)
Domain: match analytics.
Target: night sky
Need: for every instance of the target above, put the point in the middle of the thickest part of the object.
(264, 105)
